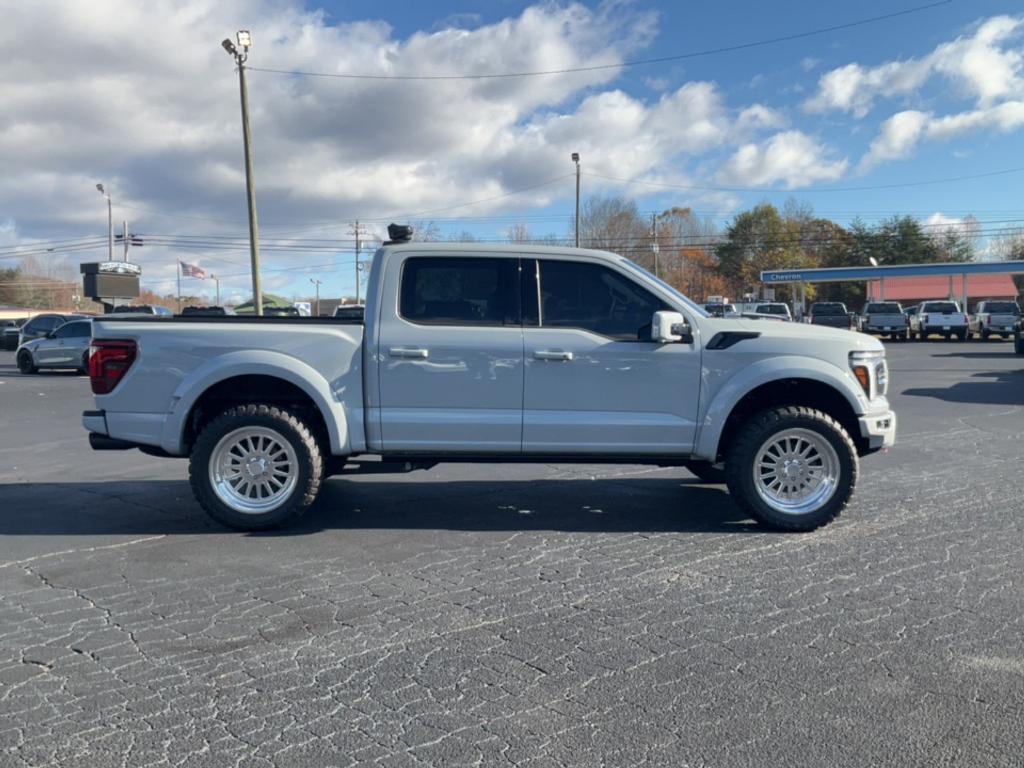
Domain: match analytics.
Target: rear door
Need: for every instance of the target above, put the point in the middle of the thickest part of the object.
(450, 355)
(595, 382)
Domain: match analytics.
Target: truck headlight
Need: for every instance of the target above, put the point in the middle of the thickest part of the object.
(871, 372)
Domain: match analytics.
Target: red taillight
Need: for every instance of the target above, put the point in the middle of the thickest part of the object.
(109, 361)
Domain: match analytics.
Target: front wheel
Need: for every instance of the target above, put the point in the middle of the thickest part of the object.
(255, 467)
(25, 362)
(792, 468)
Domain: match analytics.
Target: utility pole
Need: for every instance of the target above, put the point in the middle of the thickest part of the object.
(357, 230)
(654, 241)
(124, 236)
(240, 53)
(110, 223)
(317, 283)
(576, 159)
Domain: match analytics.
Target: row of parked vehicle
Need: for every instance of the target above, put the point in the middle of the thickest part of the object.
(993, 318)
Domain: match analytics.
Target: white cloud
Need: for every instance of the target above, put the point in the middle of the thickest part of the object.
(897, 139)
(900, 134)
(808, 63)
(986, 66)
(790, 157)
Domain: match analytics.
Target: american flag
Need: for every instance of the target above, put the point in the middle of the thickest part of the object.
(191, 270)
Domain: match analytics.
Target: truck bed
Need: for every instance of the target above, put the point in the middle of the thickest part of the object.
(181, 357)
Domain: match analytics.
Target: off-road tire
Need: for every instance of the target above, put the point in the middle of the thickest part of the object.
(25, 363)
(752, 435)
(309, 459)
(707, 472)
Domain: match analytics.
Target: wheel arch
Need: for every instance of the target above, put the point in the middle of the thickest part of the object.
(780, 384)
(290, 384)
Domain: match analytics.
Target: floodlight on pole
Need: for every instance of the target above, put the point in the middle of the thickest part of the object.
(244, 39)
(110, 223)
(576, 159)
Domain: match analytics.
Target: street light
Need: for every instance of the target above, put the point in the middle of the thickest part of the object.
(110, 223)
(244, 42)
(576, 159)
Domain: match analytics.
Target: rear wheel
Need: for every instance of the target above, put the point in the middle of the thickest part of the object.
(793, 468)
(255, 467)
(985, 334)
(84, 365)
(25, 362)
(1018, 343)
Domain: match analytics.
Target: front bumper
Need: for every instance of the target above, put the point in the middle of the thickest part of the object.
(878, 429)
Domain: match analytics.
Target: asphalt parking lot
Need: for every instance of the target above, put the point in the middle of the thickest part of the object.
(521, 615)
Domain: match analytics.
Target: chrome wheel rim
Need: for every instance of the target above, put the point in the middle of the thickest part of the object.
(796, 471)
(253, 470)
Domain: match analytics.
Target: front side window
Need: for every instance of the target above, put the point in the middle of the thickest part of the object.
(594, 298)
(460, 291)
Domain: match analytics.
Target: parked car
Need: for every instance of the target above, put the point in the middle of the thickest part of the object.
(351, 311)
(886, 318)
(141, 309)
(281, 312)
(204, 312)
(938, 317)
(65, 347)
(10, 333)
(994, 318)
(774, 308)
(461, 358)
(830, 313)
(720, 310)
(40, 325)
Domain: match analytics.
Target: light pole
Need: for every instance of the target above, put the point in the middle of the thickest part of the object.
(110, 224)
(317, 283)
(240, 53)
(216, 282)
(576, 159)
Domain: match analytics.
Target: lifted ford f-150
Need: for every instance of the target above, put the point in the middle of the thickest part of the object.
(482, 353)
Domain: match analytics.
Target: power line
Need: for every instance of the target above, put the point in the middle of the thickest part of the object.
(874, 187)
(634, 63)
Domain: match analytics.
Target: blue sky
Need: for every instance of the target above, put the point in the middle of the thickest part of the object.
(931, 95)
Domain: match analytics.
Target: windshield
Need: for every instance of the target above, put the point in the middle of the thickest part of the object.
(1002, 307)
(828, 309)
(689, 304)
(940, 306)
(885, 308)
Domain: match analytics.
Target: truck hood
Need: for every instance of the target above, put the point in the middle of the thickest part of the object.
(822, 342)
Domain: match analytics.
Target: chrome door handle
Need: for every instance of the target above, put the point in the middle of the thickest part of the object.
(551, 354)
(411, 352)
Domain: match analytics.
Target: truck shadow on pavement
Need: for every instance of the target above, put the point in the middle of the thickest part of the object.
(621, 505)
(985, 388)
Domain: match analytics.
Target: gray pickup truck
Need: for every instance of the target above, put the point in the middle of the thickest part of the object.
(832, 314)
(885, 318)
(994, 318)
(509, 353)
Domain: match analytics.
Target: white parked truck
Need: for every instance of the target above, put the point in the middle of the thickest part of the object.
(481, 353)
(938, 317)
(994, 318)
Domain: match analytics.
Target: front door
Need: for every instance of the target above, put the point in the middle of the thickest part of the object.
(594, 380)
(451, 358)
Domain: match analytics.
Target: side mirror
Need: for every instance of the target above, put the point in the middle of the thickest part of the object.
(51, 334)
(669, 327)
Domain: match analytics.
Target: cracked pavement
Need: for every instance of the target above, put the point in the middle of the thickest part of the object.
(520, 615)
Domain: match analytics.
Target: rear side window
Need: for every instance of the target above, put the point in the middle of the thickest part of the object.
(460, 291)
(597, 299)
